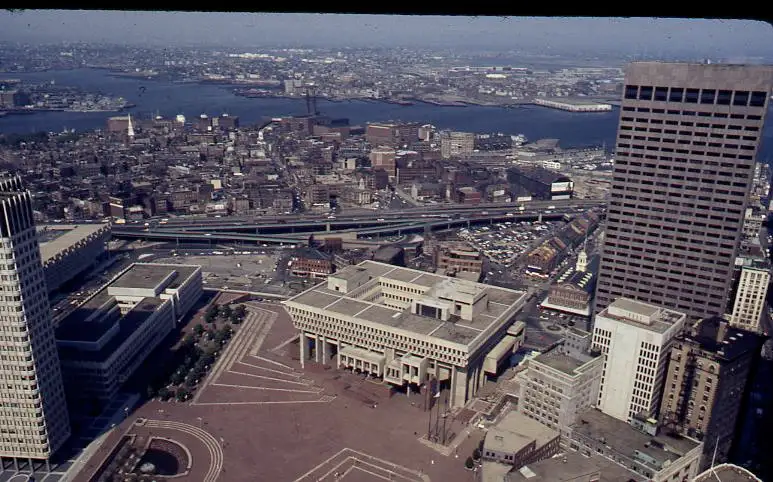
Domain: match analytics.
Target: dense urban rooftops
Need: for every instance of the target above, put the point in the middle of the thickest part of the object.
(628, 441)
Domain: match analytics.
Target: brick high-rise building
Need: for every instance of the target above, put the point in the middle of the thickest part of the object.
(684, 165)
(707, 373)
(383, 157)
(34, 421)
(456, 144)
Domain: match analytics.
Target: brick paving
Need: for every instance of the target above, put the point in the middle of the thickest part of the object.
(283, 440)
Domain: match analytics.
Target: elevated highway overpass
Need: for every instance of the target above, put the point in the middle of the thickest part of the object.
(310, 223)
(298, 231)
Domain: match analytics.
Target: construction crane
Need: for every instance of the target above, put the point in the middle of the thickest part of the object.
(311, 99)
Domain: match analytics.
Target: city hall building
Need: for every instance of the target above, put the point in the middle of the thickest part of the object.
(407, 326)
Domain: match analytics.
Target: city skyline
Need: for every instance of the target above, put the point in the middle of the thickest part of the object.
(735, 40)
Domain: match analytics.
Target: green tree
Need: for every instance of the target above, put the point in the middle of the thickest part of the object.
(177, 378)
(210, 316)
(225, 311)
(182, 394)
(164, 393)
(476, 454)
(240, 312)
(469, 463)
(198, 329)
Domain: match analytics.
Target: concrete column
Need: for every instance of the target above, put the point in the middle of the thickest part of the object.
(459, 382)
(481, 376)
(317, 349)
(338, 355)
(304, 344)
(323, 346)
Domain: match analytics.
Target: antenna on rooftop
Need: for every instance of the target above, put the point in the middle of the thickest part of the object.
(714, 458)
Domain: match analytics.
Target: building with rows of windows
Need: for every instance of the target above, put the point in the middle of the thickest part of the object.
(104, 340)
(635, 339)
(407, 326)
(34, 422)
(684, 166)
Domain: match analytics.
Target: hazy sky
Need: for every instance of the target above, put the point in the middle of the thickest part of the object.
(649, 37)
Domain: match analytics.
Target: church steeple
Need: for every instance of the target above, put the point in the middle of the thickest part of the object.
(582, 258)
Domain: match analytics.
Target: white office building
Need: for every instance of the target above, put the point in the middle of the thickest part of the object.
(407, 326)
(751, 295)
(635, 339)
(33, 412)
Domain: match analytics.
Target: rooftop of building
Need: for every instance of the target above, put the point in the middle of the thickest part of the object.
(150, 275)
(515, 431)
(540, 174)
(565, 467)
(387, 252)
(127, 325)
(584, 280)
(311, 253)
(54, 239)
(651, 317)
(754, 262)
(726, 473)
(715, 335)
(625, 439)
(700, 75)
(455, 330)
(557, 360)
(84, 324)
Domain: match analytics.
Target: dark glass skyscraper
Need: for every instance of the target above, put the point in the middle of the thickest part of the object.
(686, 149)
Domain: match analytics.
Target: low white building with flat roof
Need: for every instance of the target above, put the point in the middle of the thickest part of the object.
(634, 338)
(408, 326)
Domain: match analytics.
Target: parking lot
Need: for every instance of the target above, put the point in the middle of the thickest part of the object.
(248, 270)
(505, 243)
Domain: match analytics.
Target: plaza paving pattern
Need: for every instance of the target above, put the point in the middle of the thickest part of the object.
(314, 424)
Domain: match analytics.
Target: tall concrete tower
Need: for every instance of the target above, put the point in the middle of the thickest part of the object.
(33, 421)
(684, 166)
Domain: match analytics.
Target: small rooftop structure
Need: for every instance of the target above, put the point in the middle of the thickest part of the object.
(642, 315)
(515, 431)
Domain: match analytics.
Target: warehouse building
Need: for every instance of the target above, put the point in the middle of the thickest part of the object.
(407, 326)
(539, 183)
(108, 337)
(68, 250)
